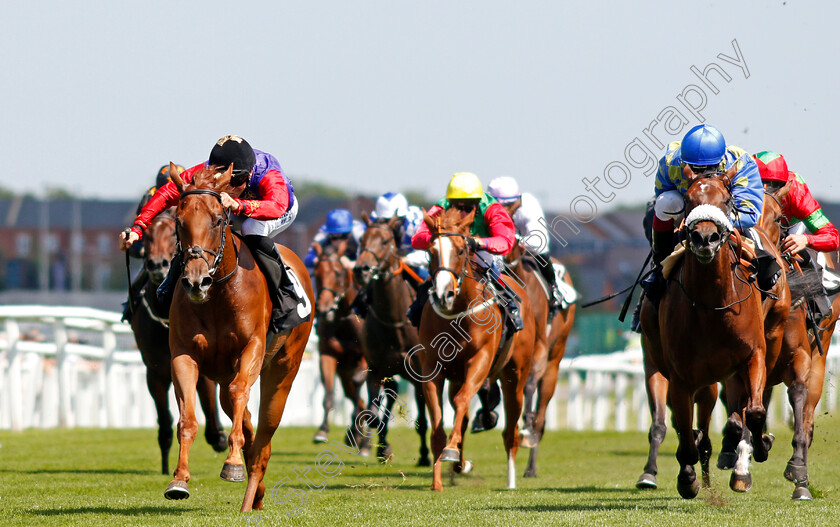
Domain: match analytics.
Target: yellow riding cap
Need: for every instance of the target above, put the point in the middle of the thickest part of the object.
(464, 185)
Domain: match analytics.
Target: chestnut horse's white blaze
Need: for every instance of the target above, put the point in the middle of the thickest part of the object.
(445, 281)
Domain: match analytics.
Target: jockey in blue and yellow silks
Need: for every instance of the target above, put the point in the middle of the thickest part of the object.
(704, 150)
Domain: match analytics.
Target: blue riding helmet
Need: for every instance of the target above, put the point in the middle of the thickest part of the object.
(339, 221)
(703, 145)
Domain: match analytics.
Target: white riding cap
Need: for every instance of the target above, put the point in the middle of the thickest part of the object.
(505, 189)
(389, 205)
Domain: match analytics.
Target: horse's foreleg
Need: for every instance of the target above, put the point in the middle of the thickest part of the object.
(328, 368)
(546, 388)
(705, 400)
(730, 397)
(755, 415)
(657, 395)
(389, 396)
(214, 433)
(460, 395)
(514, 378)
(352, 389)
(159, 390)
(433, 394)
(422, 426)
(682, 414)
(185, 377)
(275, 384)
(238, 392)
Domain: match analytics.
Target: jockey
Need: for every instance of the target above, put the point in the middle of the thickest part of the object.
(390, 205)
(136, 251)
(529, 219)
(493, 236)
(339, 226)
(262, 195)
(799, 206)
(704, 150)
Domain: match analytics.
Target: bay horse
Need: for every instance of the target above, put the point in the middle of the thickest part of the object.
(709, 326)
(218, 327)
(387, 335)
(549, 349)
(800, 364)
(460, 333)
(150, 324)
(339, 337)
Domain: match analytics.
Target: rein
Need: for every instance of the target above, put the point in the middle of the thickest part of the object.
(196, 251)
(695, 303)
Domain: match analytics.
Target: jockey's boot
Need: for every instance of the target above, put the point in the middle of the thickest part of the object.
(486, 417)
(135, 290)
(284, 298)
(415, 311)
(360, 304)
(636, 323)
(509, 302)
(822, 306)
(547, 271)
(654, 283)
(167, 288)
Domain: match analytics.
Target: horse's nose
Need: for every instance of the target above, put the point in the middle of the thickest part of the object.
(449, 298)
(206, 282)
(705, 240)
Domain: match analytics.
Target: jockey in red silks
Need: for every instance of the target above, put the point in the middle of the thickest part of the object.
(802, 212)
(266, 201)
(492, 236)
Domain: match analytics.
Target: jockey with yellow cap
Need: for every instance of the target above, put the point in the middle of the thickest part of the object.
(531, 231)
(492, 236)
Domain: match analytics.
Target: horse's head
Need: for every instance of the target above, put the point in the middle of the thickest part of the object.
(159, 246)
(708, 205)
(377, 249)
(773, 219)
(448, 253)
(201, 222)
(331, 278)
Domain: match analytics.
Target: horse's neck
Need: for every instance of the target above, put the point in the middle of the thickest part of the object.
(391, 293)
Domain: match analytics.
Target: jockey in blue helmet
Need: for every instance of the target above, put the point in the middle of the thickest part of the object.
(704, 150)
(339, 225)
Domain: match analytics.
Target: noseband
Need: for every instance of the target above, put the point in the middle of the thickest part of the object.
(458, 275)
(196, 251)
(337, 297)
(392, 243)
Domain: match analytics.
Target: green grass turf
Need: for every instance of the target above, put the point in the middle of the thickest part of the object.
(111, 478)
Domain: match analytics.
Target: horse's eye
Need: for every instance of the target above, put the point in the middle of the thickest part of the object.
(217, 222)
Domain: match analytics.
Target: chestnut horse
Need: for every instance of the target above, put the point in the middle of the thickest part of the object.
(709, 326)
(218, 327)
(800, 365)
(460, 333)
(388, 335)
(339, 337)
(542, 380)
(150, 324)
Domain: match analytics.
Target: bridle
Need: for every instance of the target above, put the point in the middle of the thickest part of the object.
(196, 251)
(385, 260)
(337, 296)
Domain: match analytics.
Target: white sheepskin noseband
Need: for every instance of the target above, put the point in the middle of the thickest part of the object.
(711, 213)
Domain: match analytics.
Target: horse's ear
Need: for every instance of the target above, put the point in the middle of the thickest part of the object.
(466, 221)
(318, 249)
(782, 193)
(222, 180)
(429, 221)
(366, 218)
(176, 178)
(688, 174)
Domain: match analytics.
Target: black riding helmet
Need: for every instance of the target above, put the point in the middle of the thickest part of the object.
(233, 149)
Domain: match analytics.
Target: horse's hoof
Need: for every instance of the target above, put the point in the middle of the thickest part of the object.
(484, 421)
(177, 490)
(384, 453)
(796, 473)
(647, 481)
(450, 455)
(463, 468)
(688, 490)
(364, 452)
(221, 443)
(235, 473)
(527, 440)
(802, 493)
(424, 462)
(320, 437)
(740, 483)
(726, 460)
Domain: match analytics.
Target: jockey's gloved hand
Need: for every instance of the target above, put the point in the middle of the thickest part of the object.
(475, 244)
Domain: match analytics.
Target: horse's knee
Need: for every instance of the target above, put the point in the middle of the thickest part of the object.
(756, 417)
(797, 393)
(657, 433)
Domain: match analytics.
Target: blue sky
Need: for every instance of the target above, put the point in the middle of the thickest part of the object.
(390, 95)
